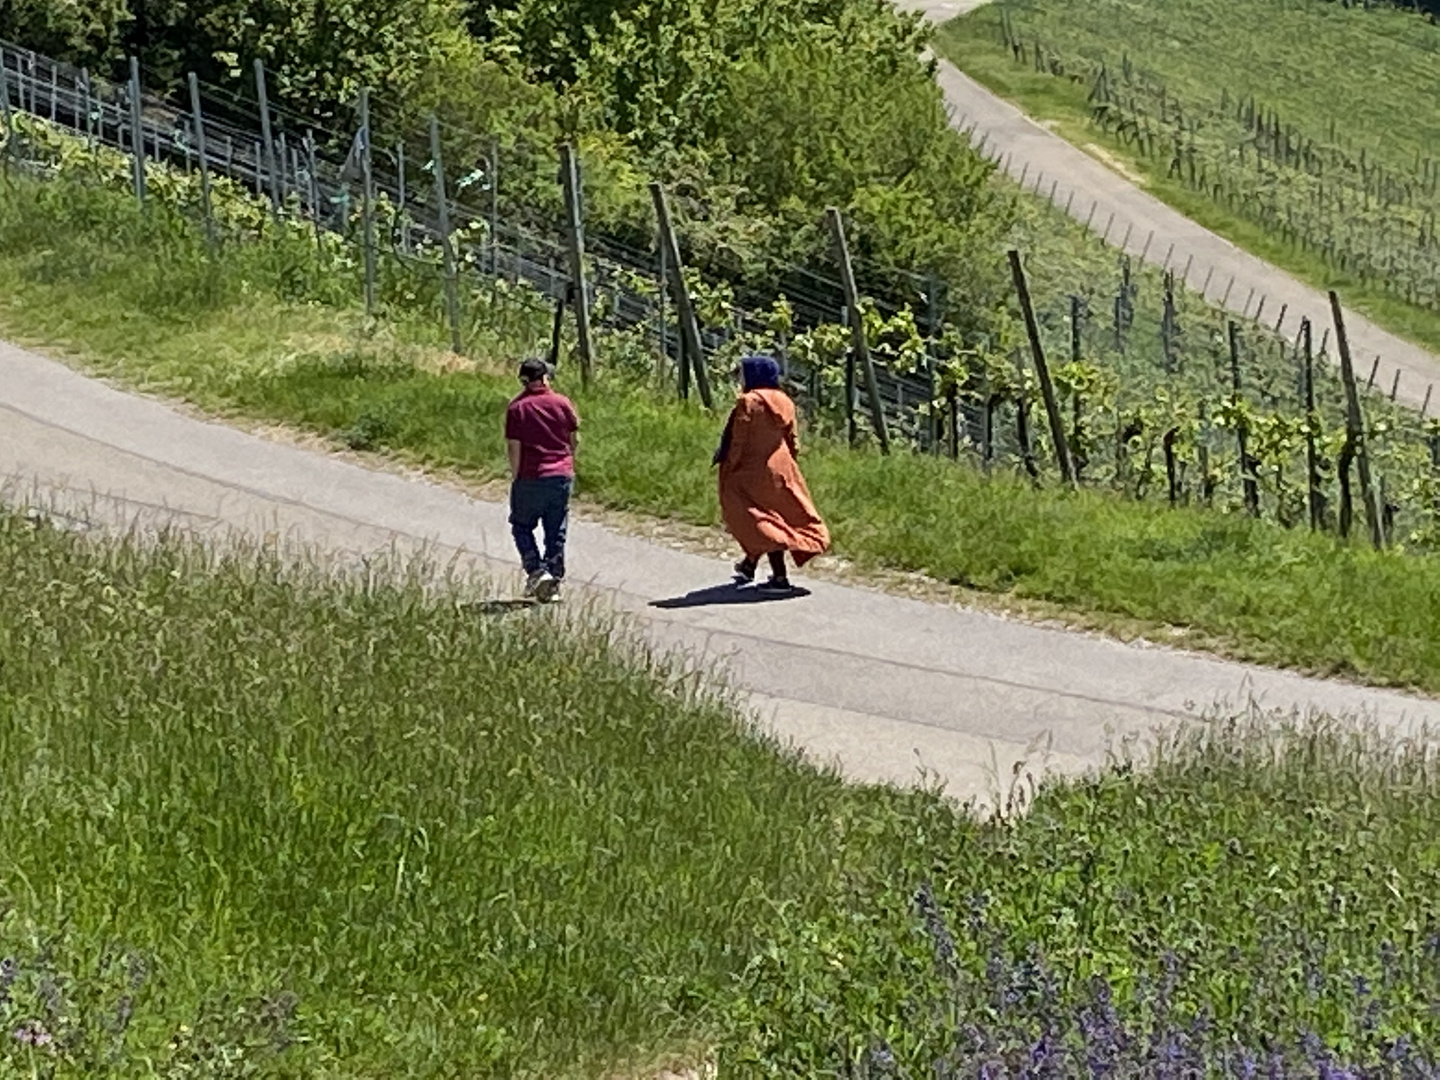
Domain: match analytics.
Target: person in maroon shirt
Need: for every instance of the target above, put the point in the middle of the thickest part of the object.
(540, 434)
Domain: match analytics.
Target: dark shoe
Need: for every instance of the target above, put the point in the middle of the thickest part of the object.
(745, 569)
(776, 585)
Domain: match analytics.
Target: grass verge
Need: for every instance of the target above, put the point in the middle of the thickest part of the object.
(215, 334)
(317, 826)
(972, 43)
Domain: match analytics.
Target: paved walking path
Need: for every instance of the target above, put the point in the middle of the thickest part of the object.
(1127, 217)
(882, 684)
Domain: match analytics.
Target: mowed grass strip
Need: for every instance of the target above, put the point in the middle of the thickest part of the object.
(1362, 70)
(154, 311)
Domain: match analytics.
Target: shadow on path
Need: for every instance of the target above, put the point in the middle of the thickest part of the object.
(499, 607)
(730, 593)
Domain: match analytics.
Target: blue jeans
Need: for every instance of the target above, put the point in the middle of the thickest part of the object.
(541, 502)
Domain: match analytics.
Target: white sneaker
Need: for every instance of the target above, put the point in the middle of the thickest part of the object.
(547, 589)
(533, 581)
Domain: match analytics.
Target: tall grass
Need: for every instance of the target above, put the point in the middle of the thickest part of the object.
(264, 818)
(1252, 588)
(438, 841)
(1260, 902)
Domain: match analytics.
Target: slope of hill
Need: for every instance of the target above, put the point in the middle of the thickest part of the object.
(1319, 157)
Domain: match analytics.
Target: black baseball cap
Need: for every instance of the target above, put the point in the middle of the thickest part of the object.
(533, 370)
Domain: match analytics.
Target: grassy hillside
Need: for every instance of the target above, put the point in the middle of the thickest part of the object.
(1305, 132)
(330, 829)
(314, 827)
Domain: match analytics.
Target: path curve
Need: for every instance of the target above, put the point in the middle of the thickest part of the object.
(884, 686)
(1129, 218)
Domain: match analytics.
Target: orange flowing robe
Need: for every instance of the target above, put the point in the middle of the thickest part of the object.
(763, 498)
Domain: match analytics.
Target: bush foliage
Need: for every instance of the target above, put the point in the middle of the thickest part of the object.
(759, 112)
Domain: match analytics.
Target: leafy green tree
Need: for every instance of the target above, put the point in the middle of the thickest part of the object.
(756, 113)
(320, 55)
(85, 31)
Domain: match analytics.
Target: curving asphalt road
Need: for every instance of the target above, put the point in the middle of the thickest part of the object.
(887, 688)
(883, 686)
(1129, 219)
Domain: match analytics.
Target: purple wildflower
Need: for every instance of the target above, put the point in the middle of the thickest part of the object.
(32, 1033)
(945, 952)
(882, 1059)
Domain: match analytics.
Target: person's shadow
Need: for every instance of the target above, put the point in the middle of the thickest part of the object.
(732, 592)
(498, 607)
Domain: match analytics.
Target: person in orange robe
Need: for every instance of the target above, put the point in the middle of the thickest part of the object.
(763, 498)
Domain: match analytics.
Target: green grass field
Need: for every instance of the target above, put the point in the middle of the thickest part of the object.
(1350, 80)
(367, 830)
(261, 820)
(220, 336)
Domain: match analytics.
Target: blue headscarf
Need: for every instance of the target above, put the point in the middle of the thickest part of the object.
(756, 373)
(759, 373)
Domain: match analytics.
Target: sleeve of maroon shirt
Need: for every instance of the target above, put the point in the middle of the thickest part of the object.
(512, 422)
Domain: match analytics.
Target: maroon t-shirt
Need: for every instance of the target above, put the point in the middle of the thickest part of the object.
(542, 422)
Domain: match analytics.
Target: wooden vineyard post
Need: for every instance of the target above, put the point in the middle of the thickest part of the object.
(857, 328)
(198, 118)
(1022, 423)
(1312, 461)
(952, 400)
(575, 237)
(1168, 328)
(447, 245)
(137, 135)
(556, 324)
(1172, 471)
(1242, 434)
(88, 104)
(1355, 424)
(268, 135)
(662, 292)
(367, 202)
(1202, 453)
(1042, 371)
(402, 208)
(6, 119)
(932, 320)
(690, 346)
(312, 168)
(1077, 406)
(851, 432)
(493, 166)
(1075, 315)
